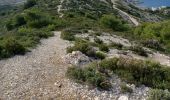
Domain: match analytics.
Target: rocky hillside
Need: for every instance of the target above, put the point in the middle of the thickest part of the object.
(11, 2)
(83, 49)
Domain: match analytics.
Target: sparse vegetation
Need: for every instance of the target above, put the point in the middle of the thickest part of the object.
(67, 36)
(139, 50)
(110, 21)
(136, 71)
(125, 88)
(29, 4)
(157, 35)
(156, 94)
(89, 76)
(100, 55)
(104, 47)
(97, 40)
(116, 45)
(82, 46)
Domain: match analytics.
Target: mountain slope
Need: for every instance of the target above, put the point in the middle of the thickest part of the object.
(88, 49)
(11, 2)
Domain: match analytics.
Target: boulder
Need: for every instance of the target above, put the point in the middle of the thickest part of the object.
(123, 97)
(76, 58)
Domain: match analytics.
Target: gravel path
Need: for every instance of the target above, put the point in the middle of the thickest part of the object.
(33, 75)
(126, 15)
(40, 75)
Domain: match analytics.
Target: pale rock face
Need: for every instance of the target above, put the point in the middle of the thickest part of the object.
(76, 58)
(123, 97)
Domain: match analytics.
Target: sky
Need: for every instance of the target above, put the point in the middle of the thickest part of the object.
(155, 3)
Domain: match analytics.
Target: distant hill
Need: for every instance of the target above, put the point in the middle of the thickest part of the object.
(9, 2)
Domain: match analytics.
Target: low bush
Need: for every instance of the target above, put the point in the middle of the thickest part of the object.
(67, 36)
(110, 21)
(139, 72)
(125, 88)
(100, 55)
(11, 47)
(133, 71)
(156, 94)
(104, 47)
(110, 64)
(82, 46)
(98, 41)
(29, 4)
(154, 44)
(139, 50)
(116, 45)
(89, 76)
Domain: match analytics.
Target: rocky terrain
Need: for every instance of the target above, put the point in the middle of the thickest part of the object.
(40, 74)
(9, 2)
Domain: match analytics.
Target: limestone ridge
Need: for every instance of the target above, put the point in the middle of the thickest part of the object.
(125, 15)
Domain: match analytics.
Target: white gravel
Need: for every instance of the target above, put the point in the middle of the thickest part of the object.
(32, 75)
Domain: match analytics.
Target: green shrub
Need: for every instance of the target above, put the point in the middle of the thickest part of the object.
(76, 74)
(67, 36)
(82, 46)
(116, 45)
(125, 88)
(29, 4)
(139, 50)
(9, 25)
(19, 20)
(156, 35)
(140, 72)
(110, 21)
(11, 47)
(89, 76)
(97, 40)
(133, 71)
(100, 55)
(156, 94)
(39, 23)
(110, 64)
(104, 47)
(154, 44)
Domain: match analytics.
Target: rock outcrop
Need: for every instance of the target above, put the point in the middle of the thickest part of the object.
(76, 58)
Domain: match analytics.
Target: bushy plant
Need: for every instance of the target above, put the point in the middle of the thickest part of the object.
(156, 34)
(10, 47)
(100, 55)
(116, 45)
(156, 94)
(19, 20)
(29, 4)
(67, 36)
(110, 21)
(82, 46)
(97, 40)
(139, 72)
(104, 47)
(125, 88)
(110, 64)
(90, 76)
(139, 50)
(154, 44)
(9, 25)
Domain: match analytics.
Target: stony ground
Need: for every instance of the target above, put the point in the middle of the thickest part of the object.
(35, 74)
(107, 38)
(40, 75)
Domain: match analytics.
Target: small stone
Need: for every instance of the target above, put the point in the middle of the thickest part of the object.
(76, 58)
(123, 97)
(96, 98)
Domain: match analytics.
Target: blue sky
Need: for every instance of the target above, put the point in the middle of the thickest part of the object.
(155, 3)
